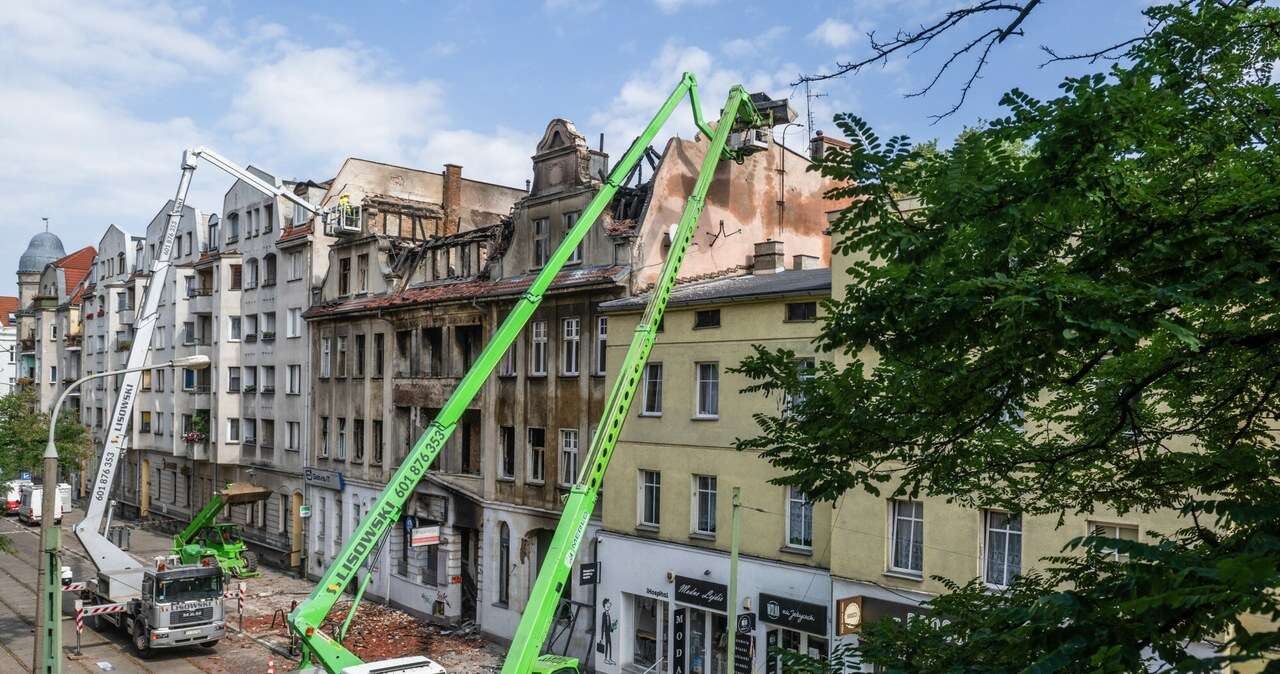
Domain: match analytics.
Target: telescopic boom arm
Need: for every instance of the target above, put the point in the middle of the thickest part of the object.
(539, 613)
(320, 648)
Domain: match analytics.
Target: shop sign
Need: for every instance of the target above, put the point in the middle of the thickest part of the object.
(319, 477)
(702, 593)
(589, 574)
(746, 623)
(304, 511)
(744, 648)
(854, 612)
(679, 621)
(771, 644)
(793, 614)
(423, 536)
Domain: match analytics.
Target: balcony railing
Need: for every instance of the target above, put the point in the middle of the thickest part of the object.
(196, 291)
(268, 390)
(268, 336)
(251, 337)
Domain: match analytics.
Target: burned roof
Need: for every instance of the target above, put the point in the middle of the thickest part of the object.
(789, 283)
(461, 291)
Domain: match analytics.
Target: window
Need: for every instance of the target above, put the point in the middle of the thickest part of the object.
(158, 428)
(540, 242)
(805, 368)
(357, 439)
(233, 430)
(1003, 553)
(359, 364)
(250, 431)
(344, 276)
(570, 219)
(237, 277)
(268, 325)
(160, 337)
(504, 564)
(799, 519)
(233, 380)
(325, 362)
(293, 432)
(377, 441)
(704, 504)
(294, 385)
(188, 334)
(295, 266)
(267, 382)
(324, 437)
(507, 441)
(342, 355)
(568, 456)
(144, 422)
(146, 380)
(294, 326)
(708, 390)
(338, 516)
(650, 498)
(906, 531)
(362, 273)
(802, 311)
(234, 328)
(538, 352)
(159, 378)
(379, 354)
(188, 379)
(341, 453)
(602, 338)
(1122, 532)
(507, 366)
(537, 451)
(251, 274)
(707, 318)
(652, 390)
(571, 334)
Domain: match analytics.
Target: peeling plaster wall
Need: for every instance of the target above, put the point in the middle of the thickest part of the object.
(742, 196)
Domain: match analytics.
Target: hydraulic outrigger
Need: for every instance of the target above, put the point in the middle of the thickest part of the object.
(739, 118)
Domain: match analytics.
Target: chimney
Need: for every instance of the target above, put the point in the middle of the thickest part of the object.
(452, 199)
(768, 258)
(799, 262)
(819, 144)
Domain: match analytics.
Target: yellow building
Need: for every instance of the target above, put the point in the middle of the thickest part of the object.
(667, 503)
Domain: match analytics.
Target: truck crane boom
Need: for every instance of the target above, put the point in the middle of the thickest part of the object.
(320, 649)
(108, 558)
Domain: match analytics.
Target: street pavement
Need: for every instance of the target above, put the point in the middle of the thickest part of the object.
(105, 650)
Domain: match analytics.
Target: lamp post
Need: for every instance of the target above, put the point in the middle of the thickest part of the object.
(48, 648)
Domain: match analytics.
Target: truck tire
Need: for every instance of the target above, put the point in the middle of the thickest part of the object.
(141, 644)
(250, 561)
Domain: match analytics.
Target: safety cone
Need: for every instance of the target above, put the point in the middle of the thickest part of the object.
(271, 665)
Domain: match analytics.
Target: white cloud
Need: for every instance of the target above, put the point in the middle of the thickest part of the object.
(673, 6)
(645, 91)
(320, 105)
(834, 33)
(746, 46)
(500, 156)
(123, 43)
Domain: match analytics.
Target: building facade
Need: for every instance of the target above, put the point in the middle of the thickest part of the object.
(669, 491)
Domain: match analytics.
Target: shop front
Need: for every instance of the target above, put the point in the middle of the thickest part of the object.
(663, 607)
(858, 603)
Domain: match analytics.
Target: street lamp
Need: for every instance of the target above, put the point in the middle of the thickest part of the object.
(48, 649)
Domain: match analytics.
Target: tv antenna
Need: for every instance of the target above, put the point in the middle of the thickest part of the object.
(808, 106)
(722, 234)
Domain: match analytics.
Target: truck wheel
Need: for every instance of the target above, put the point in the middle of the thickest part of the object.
(140, 642)
(250, 561)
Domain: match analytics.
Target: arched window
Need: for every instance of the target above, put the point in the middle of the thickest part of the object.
(504, 563)
(269, 269)
(250, 273)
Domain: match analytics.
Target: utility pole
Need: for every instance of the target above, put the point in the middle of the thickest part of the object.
(734, 531)
(48, 650)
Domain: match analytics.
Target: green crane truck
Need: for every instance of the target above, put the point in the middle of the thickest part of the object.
(742, 130)
(205, 538)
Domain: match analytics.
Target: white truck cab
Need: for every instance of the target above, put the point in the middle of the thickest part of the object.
(31, 502)
(12, 492)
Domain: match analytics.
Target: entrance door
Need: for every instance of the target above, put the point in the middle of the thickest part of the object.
(467, 539)
(790, 640)
(708, 642)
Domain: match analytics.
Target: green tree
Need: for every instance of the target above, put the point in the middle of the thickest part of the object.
(1076, 308)
(24, 432)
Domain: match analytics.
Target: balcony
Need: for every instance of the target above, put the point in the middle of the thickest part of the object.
(124, 344)
(249, 389)
(268, 390)
(251, 338)
(267, 336)
(425, 391)
(73, 342)
(200, 300)
(27, 345)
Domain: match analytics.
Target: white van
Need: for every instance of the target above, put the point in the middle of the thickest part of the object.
(12, 492)
(32, 502)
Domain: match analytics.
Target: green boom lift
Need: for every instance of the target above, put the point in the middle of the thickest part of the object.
(204, 537)
(741, 120)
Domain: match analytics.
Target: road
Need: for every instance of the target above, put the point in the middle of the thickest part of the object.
(18, 609)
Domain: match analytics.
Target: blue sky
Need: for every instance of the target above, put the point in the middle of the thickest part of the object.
(100, 98)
